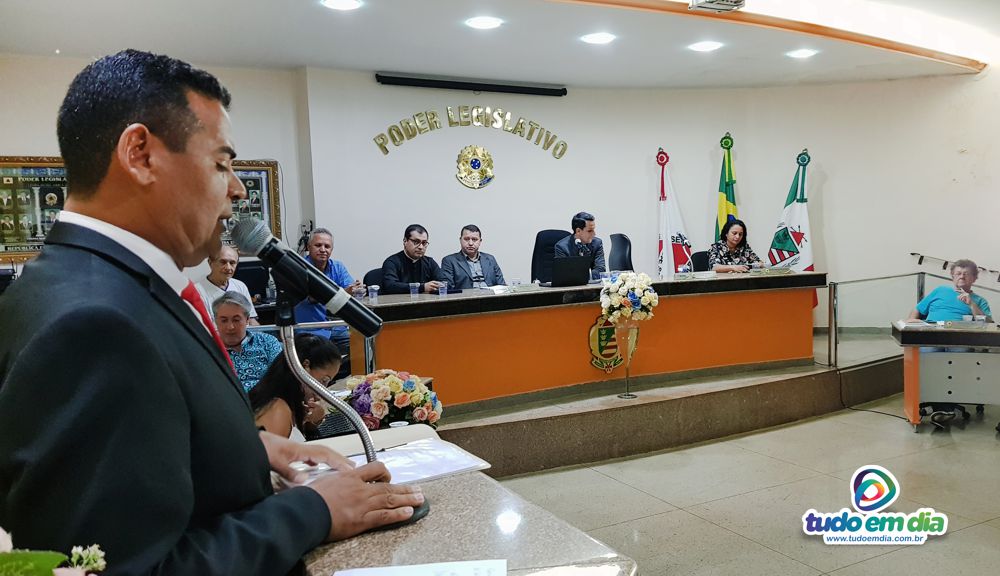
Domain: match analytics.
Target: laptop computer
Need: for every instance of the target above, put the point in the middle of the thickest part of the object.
(570, 271)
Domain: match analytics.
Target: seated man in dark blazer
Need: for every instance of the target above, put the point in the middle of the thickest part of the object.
(583, 242)
(411, 264)
(470, 268)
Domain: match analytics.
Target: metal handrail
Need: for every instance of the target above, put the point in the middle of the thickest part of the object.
(302, 326)
(879, 278)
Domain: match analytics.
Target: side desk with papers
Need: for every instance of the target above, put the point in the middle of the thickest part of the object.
(948, 364)
(480, 345)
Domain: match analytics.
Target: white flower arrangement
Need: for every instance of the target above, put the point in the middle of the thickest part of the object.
(31, 562)
(628, 296)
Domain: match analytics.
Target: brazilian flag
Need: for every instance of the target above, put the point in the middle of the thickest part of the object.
(727, 187)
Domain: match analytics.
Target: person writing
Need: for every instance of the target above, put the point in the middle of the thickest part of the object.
(280, 403)
(141, 439)
(952, 302)
(732, 253)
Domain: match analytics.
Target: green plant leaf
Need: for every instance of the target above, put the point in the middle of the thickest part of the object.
(30, 562)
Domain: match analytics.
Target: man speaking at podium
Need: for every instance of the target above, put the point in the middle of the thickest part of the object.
(121, 420)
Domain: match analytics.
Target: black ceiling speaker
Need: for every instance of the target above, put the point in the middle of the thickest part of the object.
(398, 79)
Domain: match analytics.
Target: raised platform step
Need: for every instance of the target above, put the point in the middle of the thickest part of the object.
(584, 427)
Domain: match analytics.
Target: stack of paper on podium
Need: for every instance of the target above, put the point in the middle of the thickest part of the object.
(412, 453)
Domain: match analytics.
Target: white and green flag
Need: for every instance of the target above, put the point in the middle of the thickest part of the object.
(792, 243)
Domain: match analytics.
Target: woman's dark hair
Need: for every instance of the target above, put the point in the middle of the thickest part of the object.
(279, 382)
(729, 224)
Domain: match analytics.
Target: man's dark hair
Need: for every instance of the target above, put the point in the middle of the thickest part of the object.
(414, 228)
(580, 220)
(116, 91)
(471, 228)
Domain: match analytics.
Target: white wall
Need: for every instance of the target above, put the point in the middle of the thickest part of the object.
(264, 114)
(898, 166)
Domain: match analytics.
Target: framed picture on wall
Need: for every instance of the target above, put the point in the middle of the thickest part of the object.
(33, 191)
(263, 201)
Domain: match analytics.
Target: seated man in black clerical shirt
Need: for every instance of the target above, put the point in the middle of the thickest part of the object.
(411, 265)
(583, 242)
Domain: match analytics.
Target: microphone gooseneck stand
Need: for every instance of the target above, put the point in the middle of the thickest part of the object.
(285, 320)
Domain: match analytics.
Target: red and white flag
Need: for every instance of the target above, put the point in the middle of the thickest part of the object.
(674, 249)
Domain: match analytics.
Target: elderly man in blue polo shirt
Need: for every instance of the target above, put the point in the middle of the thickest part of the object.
(952, 302)
(252, 353)
(320, 247)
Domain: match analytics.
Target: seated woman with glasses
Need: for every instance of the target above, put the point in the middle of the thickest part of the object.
(283, 406)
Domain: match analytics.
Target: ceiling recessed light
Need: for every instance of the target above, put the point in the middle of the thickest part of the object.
(802, 53)
(598, 38)
(342, 4)
(483, 22)
(706, 46)
(58, 51)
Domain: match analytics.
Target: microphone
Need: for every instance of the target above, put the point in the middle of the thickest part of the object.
(301, 279)
(579, 248)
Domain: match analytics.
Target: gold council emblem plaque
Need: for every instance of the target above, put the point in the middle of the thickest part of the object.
(475, 167)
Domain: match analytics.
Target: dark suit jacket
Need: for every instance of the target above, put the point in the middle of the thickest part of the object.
(567, 247)
(455, 269)
(122, 424)
(396, 275)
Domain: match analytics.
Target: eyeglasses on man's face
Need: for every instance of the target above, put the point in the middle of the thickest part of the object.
(418, 242)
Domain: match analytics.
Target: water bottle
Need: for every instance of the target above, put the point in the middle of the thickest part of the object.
(272, 290)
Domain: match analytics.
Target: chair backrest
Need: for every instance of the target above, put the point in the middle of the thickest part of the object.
(544, 253)
(621, 253)
(699, 261)
(373, 277)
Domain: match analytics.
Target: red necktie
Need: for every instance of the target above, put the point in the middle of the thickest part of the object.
(191, 296)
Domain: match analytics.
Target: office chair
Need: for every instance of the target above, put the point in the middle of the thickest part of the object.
(373, 277)
(699, 261)
(544, 253)
(621, 253)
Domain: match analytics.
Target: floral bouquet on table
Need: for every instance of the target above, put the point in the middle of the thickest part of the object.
(387, 396)
(33, 562)
(628, 296)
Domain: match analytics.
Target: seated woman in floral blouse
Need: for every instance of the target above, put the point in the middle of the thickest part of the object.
(732, 253)
(283, 406)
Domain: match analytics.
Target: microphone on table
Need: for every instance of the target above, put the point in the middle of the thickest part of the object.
(301, 279)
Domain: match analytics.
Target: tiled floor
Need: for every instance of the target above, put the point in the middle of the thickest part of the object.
(734, 506)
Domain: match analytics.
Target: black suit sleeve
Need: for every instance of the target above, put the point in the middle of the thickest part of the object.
(392, 277)
(560, 249)
(599, 264)
(103, 436)
(434, 271)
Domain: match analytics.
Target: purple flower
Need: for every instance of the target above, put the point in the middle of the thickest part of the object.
(362, 403)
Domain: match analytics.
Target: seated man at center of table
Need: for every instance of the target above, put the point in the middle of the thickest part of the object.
(583, 242)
